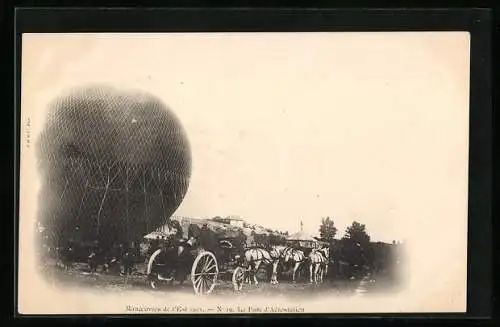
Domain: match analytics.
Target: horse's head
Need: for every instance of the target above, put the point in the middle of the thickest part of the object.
(290, 255)
(325, 252)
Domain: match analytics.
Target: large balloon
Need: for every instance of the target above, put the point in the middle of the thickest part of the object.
(115, 165)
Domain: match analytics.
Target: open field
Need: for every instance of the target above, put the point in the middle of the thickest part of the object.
(114, 283)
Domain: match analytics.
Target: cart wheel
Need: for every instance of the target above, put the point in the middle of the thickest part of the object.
(204, 273)
(238, 278)
(153, 278)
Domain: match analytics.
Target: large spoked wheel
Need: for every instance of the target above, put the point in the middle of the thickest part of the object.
(152, 270)
(238, 278)
(204, 273)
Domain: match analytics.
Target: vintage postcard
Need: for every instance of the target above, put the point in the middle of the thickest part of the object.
(243, 173)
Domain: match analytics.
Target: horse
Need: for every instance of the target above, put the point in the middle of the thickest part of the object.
(256, 256)
(278, 253)
(296, 257)
(318, 264)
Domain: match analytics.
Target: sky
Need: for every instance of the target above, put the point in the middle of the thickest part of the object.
(295, 127)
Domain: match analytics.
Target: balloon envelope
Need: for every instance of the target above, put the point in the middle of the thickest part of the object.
(114, 164)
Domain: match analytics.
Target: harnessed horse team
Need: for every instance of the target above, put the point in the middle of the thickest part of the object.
(317, 260)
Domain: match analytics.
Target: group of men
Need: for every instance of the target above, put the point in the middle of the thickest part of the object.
(120, 255)
(125, 256)
(204, 237)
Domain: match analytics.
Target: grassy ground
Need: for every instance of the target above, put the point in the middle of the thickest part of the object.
(113, 282)
(382, 283)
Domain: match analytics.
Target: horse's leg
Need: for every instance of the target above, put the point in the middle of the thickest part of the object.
(316, 273)
(295, 267)
(248, 276)
(277, 267)
(248, 272)
(276, 272)
(257, 265)
(272, 273)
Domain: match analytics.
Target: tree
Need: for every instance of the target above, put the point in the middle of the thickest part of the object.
(356, 246)
(327, 229)
(275, 239)
(357, 233)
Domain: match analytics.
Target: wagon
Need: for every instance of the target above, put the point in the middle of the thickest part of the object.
(204, 268)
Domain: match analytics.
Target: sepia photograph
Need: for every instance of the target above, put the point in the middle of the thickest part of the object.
(243, 173)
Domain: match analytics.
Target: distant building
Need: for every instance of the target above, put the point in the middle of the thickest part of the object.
(230, 220)
(236, 221)
(302, 239)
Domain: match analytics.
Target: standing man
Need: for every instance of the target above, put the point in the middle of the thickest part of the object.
(209, 241)
(128, 261)
(206, 239)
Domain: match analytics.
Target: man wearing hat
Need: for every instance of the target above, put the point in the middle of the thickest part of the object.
(209, 241)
